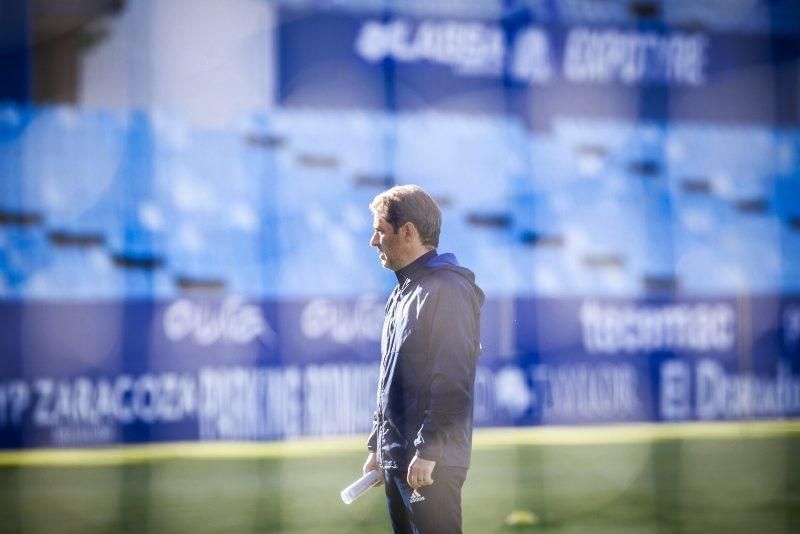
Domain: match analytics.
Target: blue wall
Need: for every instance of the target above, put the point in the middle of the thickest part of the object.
(634, 220)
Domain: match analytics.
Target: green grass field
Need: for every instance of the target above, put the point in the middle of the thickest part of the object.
(605, 480)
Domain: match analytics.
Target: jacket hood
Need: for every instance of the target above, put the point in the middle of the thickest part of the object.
(448, 262)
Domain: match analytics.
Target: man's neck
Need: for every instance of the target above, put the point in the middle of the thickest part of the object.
(407, 272)
(414, 255)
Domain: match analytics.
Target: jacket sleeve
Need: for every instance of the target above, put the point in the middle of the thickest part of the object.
(372, 442)
(454, 348)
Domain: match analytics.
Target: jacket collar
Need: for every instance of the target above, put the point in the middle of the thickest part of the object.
(409, 271)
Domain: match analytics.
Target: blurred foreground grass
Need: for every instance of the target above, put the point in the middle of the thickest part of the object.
(736, 484)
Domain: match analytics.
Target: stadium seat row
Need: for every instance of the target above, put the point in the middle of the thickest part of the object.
(100, 204)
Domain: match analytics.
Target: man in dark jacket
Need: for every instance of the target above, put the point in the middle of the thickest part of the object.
(422, 432)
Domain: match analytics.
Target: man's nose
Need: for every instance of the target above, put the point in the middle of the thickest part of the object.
(373, 242)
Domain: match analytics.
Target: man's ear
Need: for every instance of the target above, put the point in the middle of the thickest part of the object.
(408, 230)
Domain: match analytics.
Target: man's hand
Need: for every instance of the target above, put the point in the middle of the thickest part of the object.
(420, 472)
(372, 465)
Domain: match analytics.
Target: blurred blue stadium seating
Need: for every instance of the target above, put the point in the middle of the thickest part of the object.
(96, 204)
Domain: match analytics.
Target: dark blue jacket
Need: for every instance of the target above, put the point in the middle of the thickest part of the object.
(429, 348)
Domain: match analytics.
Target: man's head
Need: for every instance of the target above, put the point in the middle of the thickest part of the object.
(406, 224)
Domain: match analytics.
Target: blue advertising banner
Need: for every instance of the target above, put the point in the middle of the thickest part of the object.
(535, 70)
(228, 369)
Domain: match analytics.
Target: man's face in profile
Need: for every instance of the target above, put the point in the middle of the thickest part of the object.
(386, 241)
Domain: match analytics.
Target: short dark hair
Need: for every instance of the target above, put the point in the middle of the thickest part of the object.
(409, 203)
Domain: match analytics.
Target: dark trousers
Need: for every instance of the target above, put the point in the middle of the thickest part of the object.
(434, 509)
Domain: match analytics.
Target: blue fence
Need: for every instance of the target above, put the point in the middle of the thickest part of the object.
(94, 373)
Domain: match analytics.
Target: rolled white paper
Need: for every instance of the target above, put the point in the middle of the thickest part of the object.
(360, 486)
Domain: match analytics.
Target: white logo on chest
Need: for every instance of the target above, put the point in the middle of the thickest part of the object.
(420, 299)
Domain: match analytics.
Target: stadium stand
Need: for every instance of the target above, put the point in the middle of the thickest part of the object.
(102, 205)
